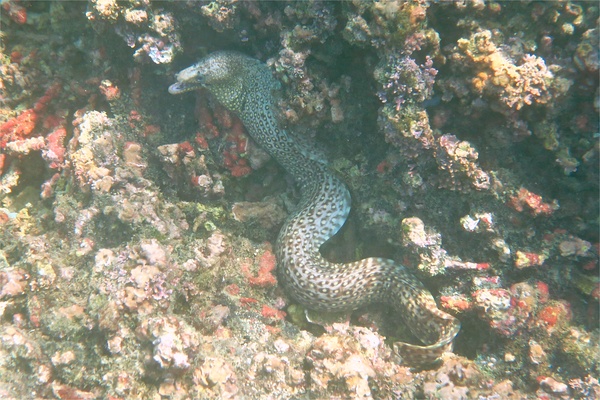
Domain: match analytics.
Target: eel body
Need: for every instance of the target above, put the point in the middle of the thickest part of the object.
(245, 86)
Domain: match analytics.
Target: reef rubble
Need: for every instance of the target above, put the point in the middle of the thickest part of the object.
(137, 229)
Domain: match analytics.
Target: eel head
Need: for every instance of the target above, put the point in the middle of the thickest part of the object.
(226, 74)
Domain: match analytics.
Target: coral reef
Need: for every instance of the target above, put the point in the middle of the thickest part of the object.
(136, 230)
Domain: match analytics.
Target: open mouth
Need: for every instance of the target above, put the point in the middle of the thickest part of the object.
(181, 87)
(187, 80)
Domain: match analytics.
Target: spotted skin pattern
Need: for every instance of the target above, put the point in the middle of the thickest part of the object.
(245, 86)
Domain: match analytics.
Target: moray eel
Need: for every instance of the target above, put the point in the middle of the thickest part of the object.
(246, 86)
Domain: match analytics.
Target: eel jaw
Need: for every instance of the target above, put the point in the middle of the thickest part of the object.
(187, 80)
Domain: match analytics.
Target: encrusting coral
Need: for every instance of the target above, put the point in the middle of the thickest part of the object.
(137, 230)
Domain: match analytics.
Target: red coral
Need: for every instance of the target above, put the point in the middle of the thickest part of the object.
(110, 91)
(204, 117)
(3, 217)
(201, 141)
(528, 259)
(224, 117)
(266, 265)
(596, 292)
(134, 118)
(239, 170)
(16, 12)
(554, 314)
(234, 163)
(186, 147)
(533, 202)
(454, 264)
(238, 135)
(16, 57)
(52, 121)
(456, 303)
(2, 161)
(23, 125)
(543, 291)
(589, 266)
(232, 289)
(270, 312)
(48, 186)
(221, 123)
(55, 147)
(150, 130)
(48, 96)
(533, 258)
(550, 315)
(247, 301)
(18, 127)
(267, 261)
(234, 154)
(384, 167)
(19, 15)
